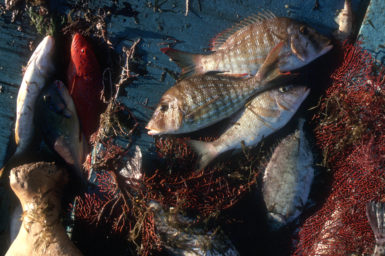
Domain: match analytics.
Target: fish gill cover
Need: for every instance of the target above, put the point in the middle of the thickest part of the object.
(350, 131)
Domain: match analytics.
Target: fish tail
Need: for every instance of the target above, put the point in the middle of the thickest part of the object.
(205, 150)
(186, 61)
(375, 213)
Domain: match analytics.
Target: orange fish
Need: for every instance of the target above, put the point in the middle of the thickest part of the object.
(85, 84)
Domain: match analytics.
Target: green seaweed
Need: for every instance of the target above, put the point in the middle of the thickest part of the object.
(44, 24)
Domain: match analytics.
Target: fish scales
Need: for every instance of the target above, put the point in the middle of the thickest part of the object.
(244, 48)
(287, 179)
(261, 117)
(251, 45)
(201, 100)
(216, 89)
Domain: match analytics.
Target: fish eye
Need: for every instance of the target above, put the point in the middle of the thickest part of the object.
(46, 98)
(82, 50)
(164, 107)
(285, 88)
(303, 30)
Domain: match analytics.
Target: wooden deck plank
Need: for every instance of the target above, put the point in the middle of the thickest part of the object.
(372, 30)
(14, 53)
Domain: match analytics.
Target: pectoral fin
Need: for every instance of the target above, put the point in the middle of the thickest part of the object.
(270, 61)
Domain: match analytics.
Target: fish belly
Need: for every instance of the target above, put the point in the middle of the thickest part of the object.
(31, 86)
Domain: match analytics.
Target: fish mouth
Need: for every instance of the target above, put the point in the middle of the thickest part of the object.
(152, 131)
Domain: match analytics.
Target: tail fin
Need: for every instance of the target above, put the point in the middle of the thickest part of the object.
(376, 217)
(205, 150)
(186, 61)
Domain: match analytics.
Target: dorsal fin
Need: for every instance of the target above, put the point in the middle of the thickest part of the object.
(218, 41)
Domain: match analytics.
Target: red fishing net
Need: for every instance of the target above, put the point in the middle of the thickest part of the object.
(350, 130)
(120, 204)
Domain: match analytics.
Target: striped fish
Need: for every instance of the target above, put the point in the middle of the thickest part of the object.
(201, 100)
(243, 48)
(265, 114)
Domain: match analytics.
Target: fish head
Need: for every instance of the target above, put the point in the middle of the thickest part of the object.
(290, 97)
(82, 56)
(43, 55)
(305, 45)
(57, 99)
(167, 117)
(59, 123)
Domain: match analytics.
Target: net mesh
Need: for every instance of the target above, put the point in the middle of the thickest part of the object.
(350, 131)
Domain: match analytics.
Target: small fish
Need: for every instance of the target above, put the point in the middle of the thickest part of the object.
(345, 22)
(181, 235)
(85, 84)
(262, 116)
(287, 179)
(376, 217)
(201, 100)
(243, 48)
(39, 68)
(57, 118)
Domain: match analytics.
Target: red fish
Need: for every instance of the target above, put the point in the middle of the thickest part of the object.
(85, 84)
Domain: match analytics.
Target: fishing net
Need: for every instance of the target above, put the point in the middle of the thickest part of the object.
(350, 131)
(121, 204)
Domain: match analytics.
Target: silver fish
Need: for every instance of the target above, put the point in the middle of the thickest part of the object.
(376, 217)
(180, 236)
(201, 100)
(287, 179)
(244, 47)
(57, 118)
(39, 67)
(263, 115)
